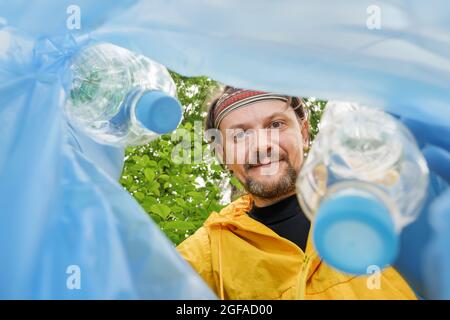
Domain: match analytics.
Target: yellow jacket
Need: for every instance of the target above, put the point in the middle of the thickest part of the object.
(240, 258)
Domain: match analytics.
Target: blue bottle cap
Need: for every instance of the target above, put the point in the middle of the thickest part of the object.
(158, 112)
(353, 233)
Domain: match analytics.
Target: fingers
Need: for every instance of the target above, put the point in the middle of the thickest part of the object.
(427, 133)
(437, 260)
(438, 161)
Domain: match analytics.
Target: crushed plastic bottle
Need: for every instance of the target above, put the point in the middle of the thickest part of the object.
(363, 181)
(120, 98)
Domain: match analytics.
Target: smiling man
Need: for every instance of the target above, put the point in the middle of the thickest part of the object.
(258, 247)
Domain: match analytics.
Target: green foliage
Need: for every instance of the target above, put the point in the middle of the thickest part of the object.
(315, 109)
(179, 197)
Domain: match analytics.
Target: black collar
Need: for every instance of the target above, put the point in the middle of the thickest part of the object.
(277, 212)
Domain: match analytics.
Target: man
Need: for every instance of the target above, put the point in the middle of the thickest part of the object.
(258, 247)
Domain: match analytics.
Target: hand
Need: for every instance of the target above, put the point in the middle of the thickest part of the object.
(424, 258)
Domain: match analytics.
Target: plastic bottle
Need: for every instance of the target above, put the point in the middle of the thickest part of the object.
(120, 98)
(363, 180)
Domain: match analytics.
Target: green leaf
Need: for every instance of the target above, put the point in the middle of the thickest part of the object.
(149, 174)
(160, 209)
(163, 163)
(148, 202)
(179, 225)
(164, 177)
(152, 164)
(144, 160)
(177, 209)
(180, 202)
(156, 192)
(139, 195)
(194, 194)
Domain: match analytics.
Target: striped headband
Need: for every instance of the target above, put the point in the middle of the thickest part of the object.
(240, 98)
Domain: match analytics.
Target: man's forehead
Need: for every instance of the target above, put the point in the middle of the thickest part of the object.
(254, 113)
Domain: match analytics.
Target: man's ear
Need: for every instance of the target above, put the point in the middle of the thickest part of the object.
(305, 132)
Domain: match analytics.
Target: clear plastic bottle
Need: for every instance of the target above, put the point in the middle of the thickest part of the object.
(364, 180)
(121, 98)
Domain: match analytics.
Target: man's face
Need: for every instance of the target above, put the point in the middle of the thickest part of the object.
(263, 147)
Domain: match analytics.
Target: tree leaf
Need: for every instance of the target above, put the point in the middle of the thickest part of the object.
(160, 209)
(179, 225)
(139, 195)
(164, 177)
(149, 174)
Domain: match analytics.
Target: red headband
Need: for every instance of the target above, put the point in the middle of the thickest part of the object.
(240, 98)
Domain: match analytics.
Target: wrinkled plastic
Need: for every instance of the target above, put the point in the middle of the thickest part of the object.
(296, 47)
(304, 48)
(67, 227)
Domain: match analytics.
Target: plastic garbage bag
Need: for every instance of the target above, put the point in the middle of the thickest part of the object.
(67, 227)
(304, 48)
(392, 54)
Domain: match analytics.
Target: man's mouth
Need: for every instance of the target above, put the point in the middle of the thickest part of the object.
(263, 164)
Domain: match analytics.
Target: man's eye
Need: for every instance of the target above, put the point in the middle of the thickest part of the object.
(276, 124)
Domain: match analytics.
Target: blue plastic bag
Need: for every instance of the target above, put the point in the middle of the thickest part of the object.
(392, 54)
(67, 228)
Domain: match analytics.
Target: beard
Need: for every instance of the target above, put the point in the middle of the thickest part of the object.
(274, 189)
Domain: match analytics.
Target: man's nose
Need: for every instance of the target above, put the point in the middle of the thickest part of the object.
(261, 146)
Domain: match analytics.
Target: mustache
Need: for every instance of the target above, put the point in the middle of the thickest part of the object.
(259, 160)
